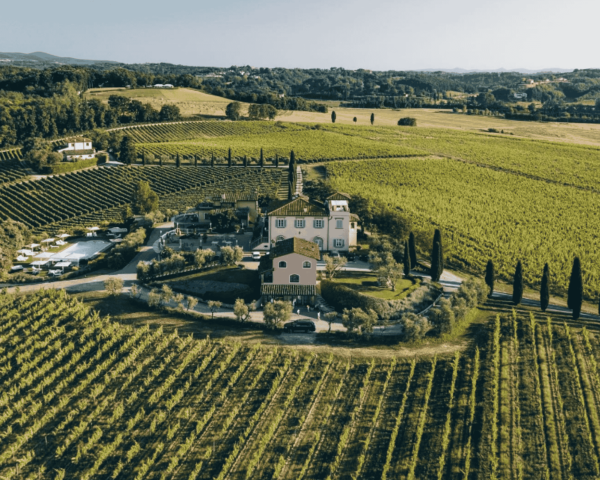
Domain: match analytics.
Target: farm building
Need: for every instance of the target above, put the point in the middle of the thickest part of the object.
(78, 148)
(328, 224)
(289, 272)
(245, 206)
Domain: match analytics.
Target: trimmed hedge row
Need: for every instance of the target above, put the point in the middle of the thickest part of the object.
(66, 167)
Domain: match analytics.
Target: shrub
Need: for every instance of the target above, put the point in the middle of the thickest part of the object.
(408, 121)
(415, 326)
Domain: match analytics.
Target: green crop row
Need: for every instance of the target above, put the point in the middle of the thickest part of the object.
(487, 214)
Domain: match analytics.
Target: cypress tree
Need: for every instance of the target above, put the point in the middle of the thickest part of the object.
(412, 250)
(290, 191)
(518, 284)
(437, 237)
(212, 160)
(436, 258)
(177, 161)
(544, 290)
(245, 160)
(276, 160)
(195, 160)
(575, 295)
(333, 116)
(160, 162)
(262, 158)
(143, 158)
(229, 158)
(407, 265)
(372, 118)
(490, 276)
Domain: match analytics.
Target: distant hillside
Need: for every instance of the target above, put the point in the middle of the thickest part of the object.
(45, 58)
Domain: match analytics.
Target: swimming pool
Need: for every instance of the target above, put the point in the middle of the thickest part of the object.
(82, 251)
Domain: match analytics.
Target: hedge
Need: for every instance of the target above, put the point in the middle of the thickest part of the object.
(65, 167)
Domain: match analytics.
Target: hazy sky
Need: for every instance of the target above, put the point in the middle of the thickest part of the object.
(376, 34)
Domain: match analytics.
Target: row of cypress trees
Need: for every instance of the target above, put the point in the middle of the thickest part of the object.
(261, 161)
(574, 295)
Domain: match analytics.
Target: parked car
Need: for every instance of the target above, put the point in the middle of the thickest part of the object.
(255, 255)
(299, 326)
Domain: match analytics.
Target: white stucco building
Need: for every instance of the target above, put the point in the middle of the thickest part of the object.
(79, 148)
(330, 224)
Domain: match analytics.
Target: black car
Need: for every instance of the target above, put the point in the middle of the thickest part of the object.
(299, 326)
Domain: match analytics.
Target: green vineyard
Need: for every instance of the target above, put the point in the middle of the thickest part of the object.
(11, 168)
(488, 214)
(62, 197)
(85, 397)
(245, 139)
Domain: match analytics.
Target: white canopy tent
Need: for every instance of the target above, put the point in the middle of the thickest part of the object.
(25, 251)
(44, 255)
(33, 245)
(63, 235)
(39, 263)
(16, 268)
(49, 240)
(62, 265)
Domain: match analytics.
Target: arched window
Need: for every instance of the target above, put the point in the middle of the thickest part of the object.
(279, 238)
(319, 242)
(294, 278)
(306, 265)
(282, 265)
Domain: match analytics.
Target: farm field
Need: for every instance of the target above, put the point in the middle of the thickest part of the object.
(484, 213)
(60, 198)
(191, 103)
(86, 397)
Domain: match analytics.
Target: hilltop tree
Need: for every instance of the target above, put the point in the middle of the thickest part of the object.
(354, 119)
(545, 287)
(490, 276)
(234, 111)
(127, 150)
(437, 237)
(333, 116)
(407, 263)
(372, 118)
(436, 262)
(144, 199)
(575, 295)
(518, 284)
(412, 250)
(169, 113)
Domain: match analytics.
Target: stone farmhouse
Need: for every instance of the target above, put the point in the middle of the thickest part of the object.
(330, 224)
(78, 148)
(197, 219)
(289, 272)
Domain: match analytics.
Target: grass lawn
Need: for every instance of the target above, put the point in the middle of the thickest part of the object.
(366, 283)
(220, 277)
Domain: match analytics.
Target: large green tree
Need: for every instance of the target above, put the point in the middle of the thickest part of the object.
(234, 111)
(127, 152)
(490, 276)
(518, 284)
(145, 200)
(545, 288)
(575, 293)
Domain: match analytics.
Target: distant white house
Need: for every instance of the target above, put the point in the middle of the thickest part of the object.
(79, 148)
(166, 85)
(159, 85)
(520, 96)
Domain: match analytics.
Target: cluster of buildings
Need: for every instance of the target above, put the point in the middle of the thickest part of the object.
(298, 232)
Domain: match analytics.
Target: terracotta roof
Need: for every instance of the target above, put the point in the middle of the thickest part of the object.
(339, 196)
(291, 289)
(296, 245)
(298, 207)
(76, 140)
